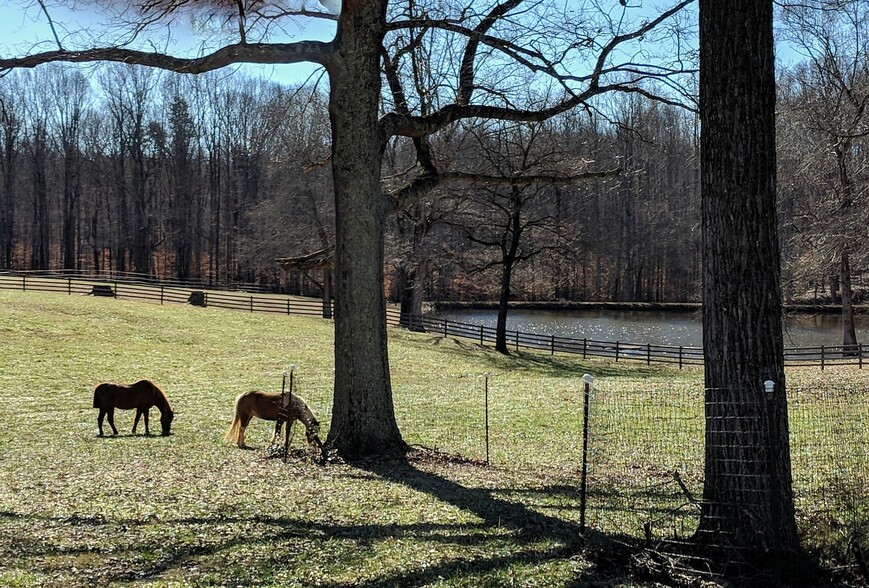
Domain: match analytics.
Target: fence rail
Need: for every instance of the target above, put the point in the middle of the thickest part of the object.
(134, 287)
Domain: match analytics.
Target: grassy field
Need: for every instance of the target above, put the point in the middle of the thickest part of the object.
(192, 510)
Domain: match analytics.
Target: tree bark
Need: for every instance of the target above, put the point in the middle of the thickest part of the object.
(748, 499)
(363, 418)
(849, 331)
(503, 302)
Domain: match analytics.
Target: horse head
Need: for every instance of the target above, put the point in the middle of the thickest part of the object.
(166, 421)
(312, 431)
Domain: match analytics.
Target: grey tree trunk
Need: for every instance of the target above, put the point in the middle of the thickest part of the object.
(363, 418)
(503, 307)
(748, 499)
(849, 331)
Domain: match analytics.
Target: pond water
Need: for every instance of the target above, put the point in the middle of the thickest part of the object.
(657, 328)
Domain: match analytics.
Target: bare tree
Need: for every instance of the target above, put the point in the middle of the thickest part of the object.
(512, 211)
(829, 97)
(70, 94)
(11, 120)
(495, 42)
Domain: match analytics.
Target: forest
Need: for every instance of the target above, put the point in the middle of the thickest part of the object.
(116, 168)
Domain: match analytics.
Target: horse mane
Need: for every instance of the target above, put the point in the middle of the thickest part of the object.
(303, 409)
(160, 398)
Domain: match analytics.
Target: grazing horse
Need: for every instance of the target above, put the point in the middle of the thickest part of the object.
(266, 406)
(142, 396)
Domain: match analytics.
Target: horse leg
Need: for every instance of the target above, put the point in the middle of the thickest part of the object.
(145, 411)
(111, 415)
(136, 420)
(100, 421)
(245, 421)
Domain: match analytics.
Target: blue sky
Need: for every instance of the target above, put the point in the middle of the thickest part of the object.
(27, 29)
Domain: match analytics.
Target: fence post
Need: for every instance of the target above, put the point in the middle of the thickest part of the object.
(161, 293)
(251, 303)
(822, 358)
(860, 355)
(288, 305)
(648, 354)
(445, 327)
(680, 357)
(587, 381)
(584, 346)
(116, 289)
(481, 335)
(486, 403)
(552, 344)
(517, 339)
(69, 286)
(24, 283)
(617, 351)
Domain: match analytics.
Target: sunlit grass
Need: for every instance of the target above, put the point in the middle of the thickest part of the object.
(191, 510)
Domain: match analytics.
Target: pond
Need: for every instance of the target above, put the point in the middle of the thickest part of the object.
(655, 327)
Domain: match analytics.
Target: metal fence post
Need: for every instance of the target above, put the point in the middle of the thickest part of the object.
(822, 358)
(69, 286)
(617, 351)
(486, 404)
(445, 327)
(251, 303)
(648, 354)
(517, 340)
(481, 335)
(161, 294)
(552, 344)
(24, 283)
(680, 357)
(288, 305)
(586, 396)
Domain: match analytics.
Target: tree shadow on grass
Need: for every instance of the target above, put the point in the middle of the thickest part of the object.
(560, 364)
(531, 538)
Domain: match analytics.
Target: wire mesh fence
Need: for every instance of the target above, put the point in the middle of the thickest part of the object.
(646, 454)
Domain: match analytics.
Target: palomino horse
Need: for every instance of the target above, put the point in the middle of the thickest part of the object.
(142, 396)
(266, 406)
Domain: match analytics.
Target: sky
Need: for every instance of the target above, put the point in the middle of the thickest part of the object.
(27, 29)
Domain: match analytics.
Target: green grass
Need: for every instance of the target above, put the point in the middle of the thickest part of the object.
(191, 510)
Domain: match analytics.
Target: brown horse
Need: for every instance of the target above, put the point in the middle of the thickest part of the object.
(265, 406)
(142, 396)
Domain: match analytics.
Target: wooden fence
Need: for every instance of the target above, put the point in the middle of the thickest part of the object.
(256, 301)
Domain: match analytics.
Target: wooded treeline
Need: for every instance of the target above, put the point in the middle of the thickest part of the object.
(125, 169)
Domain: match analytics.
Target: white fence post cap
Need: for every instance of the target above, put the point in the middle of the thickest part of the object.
(770, 386)
(588, 378)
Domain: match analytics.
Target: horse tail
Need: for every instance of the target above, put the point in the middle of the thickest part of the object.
(233, 435)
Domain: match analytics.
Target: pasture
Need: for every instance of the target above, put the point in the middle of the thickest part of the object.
(193, 510)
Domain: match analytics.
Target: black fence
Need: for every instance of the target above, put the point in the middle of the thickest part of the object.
(254, 300)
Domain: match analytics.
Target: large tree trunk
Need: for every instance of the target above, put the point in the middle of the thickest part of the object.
(363, 419)
(748, 500)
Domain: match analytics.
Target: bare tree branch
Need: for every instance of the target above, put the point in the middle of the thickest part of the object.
(262, 53)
